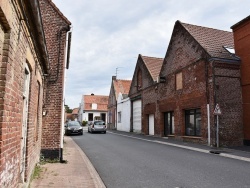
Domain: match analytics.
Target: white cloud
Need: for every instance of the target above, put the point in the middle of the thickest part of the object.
(111, 33)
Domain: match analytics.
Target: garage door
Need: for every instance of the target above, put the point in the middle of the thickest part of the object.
(151, 124)
(137, 116)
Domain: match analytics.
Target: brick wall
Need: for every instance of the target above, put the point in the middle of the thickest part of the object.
(17, 52)
(112, 107)
(203, 82)
(242, 43)
(228, 95)
(55, 28)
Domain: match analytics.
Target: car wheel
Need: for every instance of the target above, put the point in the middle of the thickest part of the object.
(81, 133)
(104, 132)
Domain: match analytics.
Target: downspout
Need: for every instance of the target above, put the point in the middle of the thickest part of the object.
(208, 107)
(66, 63)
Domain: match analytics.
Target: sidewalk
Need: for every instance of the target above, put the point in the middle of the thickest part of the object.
(77, 172)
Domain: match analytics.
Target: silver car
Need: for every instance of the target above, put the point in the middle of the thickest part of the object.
(97, 126)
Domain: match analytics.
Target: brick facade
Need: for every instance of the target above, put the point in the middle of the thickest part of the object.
(241, 32)
(112, 105)
(205, 80)
(144, 88)
(195, 76)
(56, 27)
(22, 66)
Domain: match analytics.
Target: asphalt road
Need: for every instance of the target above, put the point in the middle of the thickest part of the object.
(124, 162)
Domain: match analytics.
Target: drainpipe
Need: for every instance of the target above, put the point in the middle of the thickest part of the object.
(66, 63)
(208, 107)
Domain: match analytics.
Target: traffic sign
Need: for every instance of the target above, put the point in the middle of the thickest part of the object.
(217, 110)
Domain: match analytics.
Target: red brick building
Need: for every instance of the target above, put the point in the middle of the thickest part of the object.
(117, 86)
(200, 71)
(143, 94)
(23, 64)
(241, 32)
(57, 30)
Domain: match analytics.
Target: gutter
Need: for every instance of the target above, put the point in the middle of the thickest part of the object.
(35, 25)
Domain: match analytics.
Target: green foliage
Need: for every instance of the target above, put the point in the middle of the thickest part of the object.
(84, 123)
(37, 172)
(67, 109)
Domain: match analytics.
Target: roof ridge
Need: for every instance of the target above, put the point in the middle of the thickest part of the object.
(182, 23)
(123, 80)
(151, 57)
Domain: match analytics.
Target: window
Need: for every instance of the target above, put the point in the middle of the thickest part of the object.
(119, 117)
(178, 80)
(94, 106)
(90, 117)
(193, 122)
(169, 123)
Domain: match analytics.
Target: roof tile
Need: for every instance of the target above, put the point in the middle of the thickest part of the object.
(153, 65)
(212, 40)
(100, 100)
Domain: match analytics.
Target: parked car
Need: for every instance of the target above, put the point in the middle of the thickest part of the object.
(97, 126)
(73, 127)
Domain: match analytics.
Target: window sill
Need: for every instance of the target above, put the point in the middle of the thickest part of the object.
(192, 137)
(170, 135)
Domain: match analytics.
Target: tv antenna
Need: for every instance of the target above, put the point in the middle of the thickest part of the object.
(116, 71)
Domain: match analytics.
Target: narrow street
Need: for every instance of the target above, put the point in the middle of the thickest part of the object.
(127, 162)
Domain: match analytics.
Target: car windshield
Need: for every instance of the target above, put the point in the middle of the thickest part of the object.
(99, 123)
(73, 123)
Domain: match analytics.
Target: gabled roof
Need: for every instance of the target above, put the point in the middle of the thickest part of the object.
(153, 65)
(212, 40)
(59, 12)
(75, 111)
(100, 100)
(121, 86)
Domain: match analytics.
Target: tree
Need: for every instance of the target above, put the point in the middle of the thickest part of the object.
(67, 109)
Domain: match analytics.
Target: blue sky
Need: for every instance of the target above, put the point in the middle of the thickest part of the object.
(111, 33)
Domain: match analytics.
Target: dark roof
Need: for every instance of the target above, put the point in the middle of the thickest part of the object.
(212, 40)
(153, 65)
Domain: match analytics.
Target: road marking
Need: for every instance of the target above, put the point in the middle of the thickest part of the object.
(187, 147)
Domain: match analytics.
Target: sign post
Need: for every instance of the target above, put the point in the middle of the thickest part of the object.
(217, 112)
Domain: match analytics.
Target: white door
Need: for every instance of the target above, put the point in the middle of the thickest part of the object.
(151, 124)
(25, 121)
(137, 116)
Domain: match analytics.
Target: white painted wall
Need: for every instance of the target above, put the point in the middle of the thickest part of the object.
(123, 106)
(85, 115)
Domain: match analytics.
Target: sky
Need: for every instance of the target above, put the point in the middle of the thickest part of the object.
(108, 35)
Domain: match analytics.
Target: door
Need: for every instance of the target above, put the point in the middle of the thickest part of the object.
(169, 123)
(151, 124)
(137, 116)
(24, 122)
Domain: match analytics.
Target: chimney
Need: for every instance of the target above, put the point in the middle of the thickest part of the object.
(113, 77)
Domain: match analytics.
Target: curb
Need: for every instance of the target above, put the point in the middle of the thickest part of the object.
(190, 148)
(95, 176)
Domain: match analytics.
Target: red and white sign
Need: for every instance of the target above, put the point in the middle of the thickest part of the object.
(217, 110)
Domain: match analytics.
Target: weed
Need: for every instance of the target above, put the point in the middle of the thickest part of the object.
(37, 172)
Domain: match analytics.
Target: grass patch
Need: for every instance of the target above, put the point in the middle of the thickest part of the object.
(37, 172)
